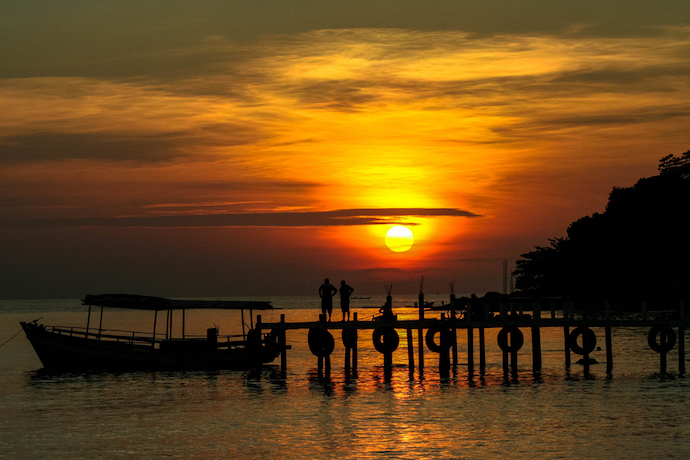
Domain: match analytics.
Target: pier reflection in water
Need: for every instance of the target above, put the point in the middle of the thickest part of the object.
(267, 414)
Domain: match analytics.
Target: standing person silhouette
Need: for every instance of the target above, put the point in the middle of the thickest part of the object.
(326, 292)
(345, 292)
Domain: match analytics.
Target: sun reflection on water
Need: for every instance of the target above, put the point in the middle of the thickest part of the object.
(297, 413)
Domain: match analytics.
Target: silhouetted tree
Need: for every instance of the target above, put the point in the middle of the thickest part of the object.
(638, 247)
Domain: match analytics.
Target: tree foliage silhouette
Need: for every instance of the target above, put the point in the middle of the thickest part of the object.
(638, 247)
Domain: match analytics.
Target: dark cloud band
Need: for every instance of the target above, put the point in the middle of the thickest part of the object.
(337, 218)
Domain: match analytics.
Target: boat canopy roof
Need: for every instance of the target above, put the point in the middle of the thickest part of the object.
(142, 302)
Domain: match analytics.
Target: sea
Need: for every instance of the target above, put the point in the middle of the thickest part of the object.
(633, 413)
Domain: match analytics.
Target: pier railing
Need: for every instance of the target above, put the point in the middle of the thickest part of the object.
(139, 338)
(441, 334)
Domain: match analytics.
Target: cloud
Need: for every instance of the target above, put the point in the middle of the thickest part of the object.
(337, 218)
(349, 118)
(260, 93)
(123, 146)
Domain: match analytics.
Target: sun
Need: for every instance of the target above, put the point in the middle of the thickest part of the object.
(399, 239)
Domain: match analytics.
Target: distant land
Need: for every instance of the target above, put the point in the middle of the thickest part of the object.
(639, 247)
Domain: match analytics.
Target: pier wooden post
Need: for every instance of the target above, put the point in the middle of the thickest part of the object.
(504, 321)
(536, 338)
(482, 352)
(319, 361)
(348, 353)
(454, 346)
(443, 355)
(470, 343)
(609, 344)
(410, 353)
(258, 334)
(453, 330)
(354, 349)
(388, 365)
(585, 346)
(566, 333)
(663, 339)
(482, 341)
(662, 321)
(681, 339)
(553, 310)
(513, 358)
(282, 345)
(420, 337)
(388, 317)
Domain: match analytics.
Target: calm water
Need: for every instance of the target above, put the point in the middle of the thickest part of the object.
(266, 415)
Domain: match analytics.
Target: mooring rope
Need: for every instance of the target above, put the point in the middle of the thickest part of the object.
(15, 335)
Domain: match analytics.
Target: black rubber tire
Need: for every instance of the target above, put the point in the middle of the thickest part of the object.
(386, 340)
(445, 338)
(321, 342)
(517, 339)
(589, 340)
(661, 347)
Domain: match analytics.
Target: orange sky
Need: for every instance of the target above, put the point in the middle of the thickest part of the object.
(285, 157)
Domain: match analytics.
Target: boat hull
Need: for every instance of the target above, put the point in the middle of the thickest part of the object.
(59, 352)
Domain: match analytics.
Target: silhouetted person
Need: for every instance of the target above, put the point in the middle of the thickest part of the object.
(345, 292)
(326, 292)
(386, 310)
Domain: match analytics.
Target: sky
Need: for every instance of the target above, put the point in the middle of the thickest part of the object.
(232, 148)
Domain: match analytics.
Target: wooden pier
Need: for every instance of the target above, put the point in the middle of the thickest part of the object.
(665, 330)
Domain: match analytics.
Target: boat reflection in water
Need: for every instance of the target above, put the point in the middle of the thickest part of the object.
(76, 348)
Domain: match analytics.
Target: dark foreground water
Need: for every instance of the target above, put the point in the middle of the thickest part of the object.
(268, 415)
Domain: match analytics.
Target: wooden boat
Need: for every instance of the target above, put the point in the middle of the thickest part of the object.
(77, 348)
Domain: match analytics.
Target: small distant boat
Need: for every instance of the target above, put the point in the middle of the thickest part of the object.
(76, 348)
(360, 298)
(416, 305)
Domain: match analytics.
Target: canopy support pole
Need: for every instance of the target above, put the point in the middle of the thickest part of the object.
(100, 325)
(88, 321)
(244, 335)
(155, 319)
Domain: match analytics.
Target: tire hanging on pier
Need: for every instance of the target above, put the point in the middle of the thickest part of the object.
(664, 346)
(386, 339)
(589, 340)
(321, 342)
(445, 338)
(517, 339)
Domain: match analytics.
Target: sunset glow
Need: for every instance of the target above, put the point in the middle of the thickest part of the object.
(485, 145)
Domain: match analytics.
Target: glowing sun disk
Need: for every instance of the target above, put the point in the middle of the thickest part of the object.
(399, 239)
